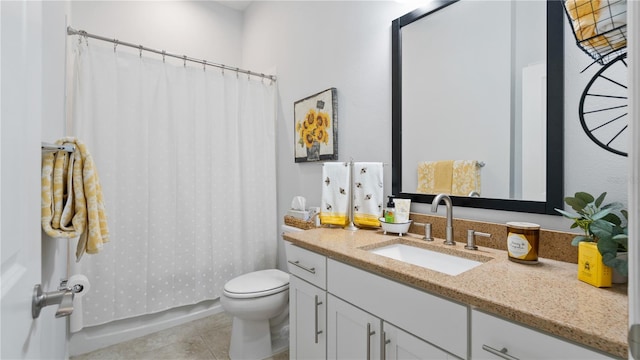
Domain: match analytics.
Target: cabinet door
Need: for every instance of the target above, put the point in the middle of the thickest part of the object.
(495, 338)
(399, 344)
(351, 332)
(307, 318)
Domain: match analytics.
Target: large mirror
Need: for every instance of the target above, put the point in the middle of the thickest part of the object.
(482, 82)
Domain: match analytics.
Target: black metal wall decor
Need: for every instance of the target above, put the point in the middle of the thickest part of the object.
(599, 26)
(603, 107)
(600, 29)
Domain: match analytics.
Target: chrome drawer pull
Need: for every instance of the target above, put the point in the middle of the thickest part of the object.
(369, 334)
(318, 332)
(297, 263)
(500, 353)
(383, 346)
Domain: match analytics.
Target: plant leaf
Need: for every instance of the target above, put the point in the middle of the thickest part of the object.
(599, 200)
(576, 203)
(613, 218)
(580, 238)
(603, 230)
(600, 214)
(568, 214)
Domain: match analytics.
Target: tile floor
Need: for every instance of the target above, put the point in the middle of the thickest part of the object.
(206, 338)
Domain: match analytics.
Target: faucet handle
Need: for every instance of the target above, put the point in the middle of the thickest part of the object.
(471, 238)
(427, 232)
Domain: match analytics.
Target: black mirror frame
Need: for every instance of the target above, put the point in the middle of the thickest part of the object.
(555, 117)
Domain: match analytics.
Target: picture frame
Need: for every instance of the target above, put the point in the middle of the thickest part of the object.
(316, 127)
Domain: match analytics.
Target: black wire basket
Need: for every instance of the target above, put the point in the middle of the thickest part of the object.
(599, 26)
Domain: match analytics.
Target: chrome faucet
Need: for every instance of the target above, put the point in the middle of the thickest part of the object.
(449, 205)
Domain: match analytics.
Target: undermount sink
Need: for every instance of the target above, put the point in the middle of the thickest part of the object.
(434, 260)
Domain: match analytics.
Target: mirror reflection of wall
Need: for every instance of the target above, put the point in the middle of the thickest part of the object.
(478, 93)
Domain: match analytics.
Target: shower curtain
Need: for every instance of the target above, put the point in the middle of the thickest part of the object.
(186, 159)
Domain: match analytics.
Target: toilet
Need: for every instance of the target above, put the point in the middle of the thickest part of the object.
(259, 304)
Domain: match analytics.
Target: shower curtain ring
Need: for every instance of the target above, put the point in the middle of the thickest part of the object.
(204, 65)
(115, 44)
(163, 54)
(184, 59)
(140, 48)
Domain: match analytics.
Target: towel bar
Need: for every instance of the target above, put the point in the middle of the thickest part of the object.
(53, 148)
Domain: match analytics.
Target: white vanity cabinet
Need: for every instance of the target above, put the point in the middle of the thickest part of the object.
(496, 338)
(413, 321)
(307, 303)
(353, 333)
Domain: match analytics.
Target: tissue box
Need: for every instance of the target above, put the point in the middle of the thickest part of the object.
(299, 214)
(591, 269)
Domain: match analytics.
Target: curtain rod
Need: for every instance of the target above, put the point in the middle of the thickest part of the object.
(185, 58)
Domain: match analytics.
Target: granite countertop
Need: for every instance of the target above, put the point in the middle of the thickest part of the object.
(546, 296)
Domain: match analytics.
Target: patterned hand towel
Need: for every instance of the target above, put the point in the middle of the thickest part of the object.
(72, 202)
(335, 193)
(368, 194)
(466, 177)
(435, 177)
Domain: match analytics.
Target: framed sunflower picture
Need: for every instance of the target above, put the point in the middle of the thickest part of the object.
(316, 127)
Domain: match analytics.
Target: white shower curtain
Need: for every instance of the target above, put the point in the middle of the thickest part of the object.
(186, 158)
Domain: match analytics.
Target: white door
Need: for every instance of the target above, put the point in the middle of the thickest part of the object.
(633, 16)
(20, 128)
(307, 319)
(352, 333)
(399, 344)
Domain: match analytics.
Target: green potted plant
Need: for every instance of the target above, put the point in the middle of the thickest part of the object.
(602, 224)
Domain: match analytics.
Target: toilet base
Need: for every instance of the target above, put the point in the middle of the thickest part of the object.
(250, 339)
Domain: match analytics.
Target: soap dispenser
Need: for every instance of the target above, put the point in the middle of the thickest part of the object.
(389, 211)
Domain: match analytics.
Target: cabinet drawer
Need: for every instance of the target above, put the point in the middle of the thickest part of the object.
(307, 265)
(490, 334)
(441, 322)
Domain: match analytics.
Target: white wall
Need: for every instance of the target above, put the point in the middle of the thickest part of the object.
(54, 251)
(316, 45)
(199, 29)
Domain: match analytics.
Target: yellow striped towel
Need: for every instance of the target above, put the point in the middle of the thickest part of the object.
(466, 177)
(72, 202)
(435, 177)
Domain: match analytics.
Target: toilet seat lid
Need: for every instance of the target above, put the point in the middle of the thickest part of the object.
(257, 284)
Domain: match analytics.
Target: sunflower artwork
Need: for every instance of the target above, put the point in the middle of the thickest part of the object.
(316, 135)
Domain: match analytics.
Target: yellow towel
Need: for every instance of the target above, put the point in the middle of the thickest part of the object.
(335, 193)
(466, 177)
(587, 23)
(368, 194)
(72, 202)
(435, 177)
